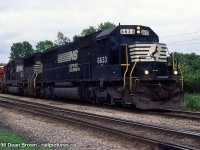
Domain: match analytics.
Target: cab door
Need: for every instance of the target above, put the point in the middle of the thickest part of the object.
(101, 59)
(107, 59)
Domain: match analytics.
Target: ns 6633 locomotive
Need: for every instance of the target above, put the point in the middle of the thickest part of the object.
(124, 65)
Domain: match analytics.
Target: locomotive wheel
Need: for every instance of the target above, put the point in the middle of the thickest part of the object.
(48, 92)
(24, 91)
(42, 93)
(38, 92)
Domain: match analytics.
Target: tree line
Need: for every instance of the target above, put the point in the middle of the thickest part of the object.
(23, 49)
(190, 66)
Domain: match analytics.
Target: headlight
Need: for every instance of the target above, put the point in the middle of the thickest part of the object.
(138, 31)
(175, 72)
(146, 72)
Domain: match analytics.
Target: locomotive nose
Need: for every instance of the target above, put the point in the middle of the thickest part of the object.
(159, 93)
(163, 94)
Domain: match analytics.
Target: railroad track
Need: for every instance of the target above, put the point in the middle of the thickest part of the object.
(184, 114)
(166, 113)
(173, 139)
(193, 116)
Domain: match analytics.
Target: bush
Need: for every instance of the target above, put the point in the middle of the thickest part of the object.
(192, 102)
(190, 66)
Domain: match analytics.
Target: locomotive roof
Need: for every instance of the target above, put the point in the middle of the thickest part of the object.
(105, 33)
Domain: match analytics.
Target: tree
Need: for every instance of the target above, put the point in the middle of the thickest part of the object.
(75, 37)
(19, 50)
(106, 25)
(43, 45)
(2, 64)
(61, 39)
(189, 64)
(92, 29)
(88, 31)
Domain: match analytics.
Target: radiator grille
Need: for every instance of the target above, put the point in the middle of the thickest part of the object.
(148, 52)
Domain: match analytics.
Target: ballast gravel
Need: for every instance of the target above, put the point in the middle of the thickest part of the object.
(63, 135)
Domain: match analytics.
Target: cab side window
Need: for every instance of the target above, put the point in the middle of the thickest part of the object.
(113, 43)
(101, 45)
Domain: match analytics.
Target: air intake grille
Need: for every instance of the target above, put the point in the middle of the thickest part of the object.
(148, 52)
(38, 67)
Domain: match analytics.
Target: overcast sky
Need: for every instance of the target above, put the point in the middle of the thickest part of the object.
(37, 20)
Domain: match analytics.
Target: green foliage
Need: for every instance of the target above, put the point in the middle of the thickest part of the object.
(190, 67)
(19, 50)
(106, 25)
(2, 64)
(7, 138)
(43, 45)
(88, 31)
(192, 102)
(62, 39)
(92, 29)
(75, 37)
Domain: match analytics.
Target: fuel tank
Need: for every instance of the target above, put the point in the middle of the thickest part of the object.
(72, 93)
(13, 90)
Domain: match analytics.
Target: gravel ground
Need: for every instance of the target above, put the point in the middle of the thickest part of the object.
(181, 124)
(42, 130)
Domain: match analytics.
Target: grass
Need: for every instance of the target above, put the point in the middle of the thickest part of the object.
(13, 141)
(192, 102)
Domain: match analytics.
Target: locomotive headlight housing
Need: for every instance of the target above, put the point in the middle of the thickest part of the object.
(175, 72)
(138, 31)
(146, 72)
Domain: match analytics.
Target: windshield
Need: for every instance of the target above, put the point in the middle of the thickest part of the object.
(131, 40)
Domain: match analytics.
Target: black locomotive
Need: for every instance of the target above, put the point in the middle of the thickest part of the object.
(124, 65)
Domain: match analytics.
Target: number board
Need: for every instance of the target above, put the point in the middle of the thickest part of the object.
(127, 31)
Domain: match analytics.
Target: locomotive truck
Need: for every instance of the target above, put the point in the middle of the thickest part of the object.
(124, 65)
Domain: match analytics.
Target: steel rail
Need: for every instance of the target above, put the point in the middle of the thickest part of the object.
(182, 114)
(185, 112)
